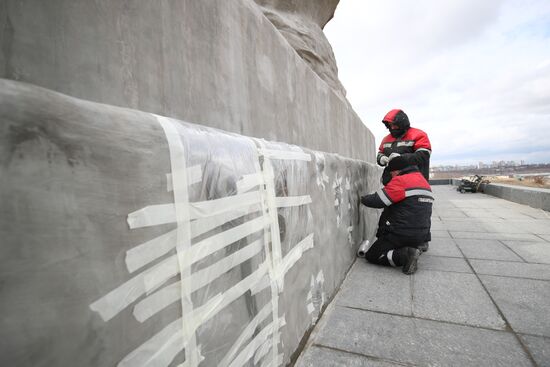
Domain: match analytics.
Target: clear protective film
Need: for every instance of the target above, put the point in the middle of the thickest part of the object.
(132, 239)
(264, 235)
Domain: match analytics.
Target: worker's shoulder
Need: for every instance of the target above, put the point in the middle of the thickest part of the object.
(411, 180)
(413, 131)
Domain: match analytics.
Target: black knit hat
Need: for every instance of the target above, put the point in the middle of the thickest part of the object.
(398, 163)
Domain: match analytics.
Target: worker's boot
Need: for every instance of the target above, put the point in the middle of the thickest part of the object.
(424, 247)
(412, 255)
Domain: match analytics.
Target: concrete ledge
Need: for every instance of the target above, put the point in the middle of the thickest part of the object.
(441, 181)
(534, 197)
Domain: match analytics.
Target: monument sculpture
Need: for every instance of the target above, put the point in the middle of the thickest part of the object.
(179, 183)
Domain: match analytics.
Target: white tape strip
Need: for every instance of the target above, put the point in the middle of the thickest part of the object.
(262, 351)
(194, 175)
(285, 154)
(152, 215)
(119, 298)
(288, 201)
(158, 351)
(278, 361)
(248, 182)
(286, 264)
(275, 253)
(178, 167)
(292, 257)
(170, 294)
(245, 335)
(166, 213)
(162, 348)
(258, 340)
(159, 246)
(169, 267)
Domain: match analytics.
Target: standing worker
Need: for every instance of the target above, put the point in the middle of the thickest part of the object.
(407, 201)
(411, 144)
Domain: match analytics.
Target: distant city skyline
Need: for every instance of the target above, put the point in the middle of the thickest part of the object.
(475, 75)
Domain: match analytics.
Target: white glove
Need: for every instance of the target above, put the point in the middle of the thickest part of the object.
(392, 156)
(384, 160)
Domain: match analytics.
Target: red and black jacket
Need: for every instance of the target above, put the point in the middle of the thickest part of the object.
(407, 201)
(414, 146)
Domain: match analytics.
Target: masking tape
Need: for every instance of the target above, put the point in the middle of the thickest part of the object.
(248, 182)
(275, 253)
(286, 264)
(168, 268)
(165, 344)
(182, 209)
(285, 154)
(292, 257)
(262, 351)
(278, 361)
(159, 246)
(166, 213)
(256, 342)
(119, 298)
(288, 201)
(194, 175)
(245, 335)
(160, 350)
(171, 293)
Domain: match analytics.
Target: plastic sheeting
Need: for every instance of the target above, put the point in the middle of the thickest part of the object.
(231, 272)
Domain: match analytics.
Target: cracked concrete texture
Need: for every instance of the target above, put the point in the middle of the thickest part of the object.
(485, 305)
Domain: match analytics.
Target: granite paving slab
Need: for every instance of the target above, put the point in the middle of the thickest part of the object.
(524, 302)
(377, 288)
(318, 356)
(503, 227)
(465, 226)
(444, 247)
(421, 342)
(429, 262)
(486, 249)
(539, 348)
(538, 226)
(440, 234)
(451, 213)
(496, 236)
(479, 213)
(511, 269)
(454, 297)
(534, 252)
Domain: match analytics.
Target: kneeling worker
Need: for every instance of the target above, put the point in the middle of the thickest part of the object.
(405, 222)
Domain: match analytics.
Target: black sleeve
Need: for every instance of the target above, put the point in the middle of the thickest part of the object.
(418, 158)
(372, 201)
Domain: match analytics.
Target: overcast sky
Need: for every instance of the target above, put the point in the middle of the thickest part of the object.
(473, 74)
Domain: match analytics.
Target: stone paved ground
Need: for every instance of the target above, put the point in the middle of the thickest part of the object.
(481, 296)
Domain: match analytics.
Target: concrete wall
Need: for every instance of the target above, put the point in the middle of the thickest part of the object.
(217, 63)
(72, 171)
(534, 197)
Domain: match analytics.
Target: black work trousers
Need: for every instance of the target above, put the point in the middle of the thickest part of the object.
(390, 250)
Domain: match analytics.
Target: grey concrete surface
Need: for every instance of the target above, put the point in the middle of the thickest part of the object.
(534, 197)
(539, 347)
(481, 301)
(72, 172)
(301, 22)
(524, 302)
(216, 63)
